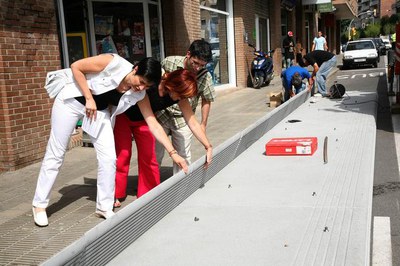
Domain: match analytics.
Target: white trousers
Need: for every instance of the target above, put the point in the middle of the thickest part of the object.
(65, 114)
(181, 140)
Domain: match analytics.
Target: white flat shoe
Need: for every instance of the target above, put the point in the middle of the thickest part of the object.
(40, 218)
(104, 214)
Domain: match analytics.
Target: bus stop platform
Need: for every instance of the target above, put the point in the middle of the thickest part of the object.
(248, 208)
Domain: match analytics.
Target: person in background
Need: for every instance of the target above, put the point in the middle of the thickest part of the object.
(175, 88)
(86, 92)
(171, 118)
(322, 62)
(319, 43)
(292, 81)
(288, 46)
(299, 51)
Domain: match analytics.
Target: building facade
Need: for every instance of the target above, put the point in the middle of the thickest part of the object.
(38, 36)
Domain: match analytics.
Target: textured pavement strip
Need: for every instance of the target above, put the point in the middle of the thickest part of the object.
(72, 205)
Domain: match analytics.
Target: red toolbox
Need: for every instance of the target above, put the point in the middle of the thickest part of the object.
(291, 146)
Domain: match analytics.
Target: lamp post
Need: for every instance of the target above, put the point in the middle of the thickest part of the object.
(362, 13)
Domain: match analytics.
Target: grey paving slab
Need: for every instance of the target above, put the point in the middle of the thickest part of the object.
(279, 210)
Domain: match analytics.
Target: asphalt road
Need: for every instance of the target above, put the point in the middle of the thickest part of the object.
(386, 199)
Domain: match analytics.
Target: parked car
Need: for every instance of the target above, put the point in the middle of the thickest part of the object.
(360, 52)
(380, 46)
(387, 43)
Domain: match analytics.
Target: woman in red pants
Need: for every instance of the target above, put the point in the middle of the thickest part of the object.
(175, 87)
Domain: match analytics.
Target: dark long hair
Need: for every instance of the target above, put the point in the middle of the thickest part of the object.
(150, 69)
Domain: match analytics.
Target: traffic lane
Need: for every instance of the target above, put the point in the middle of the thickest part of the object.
(360, 79)
(386, 198)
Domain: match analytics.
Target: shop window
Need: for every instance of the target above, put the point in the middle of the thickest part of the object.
(214, 30)
(75, 29)
(216, 4)
(263, 34)
(155, 32)
(77, 47)
(119, 28)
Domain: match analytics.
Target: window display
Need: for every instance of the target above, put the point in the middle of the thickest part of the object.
(77, 47)
(213, 29)
(119, 28)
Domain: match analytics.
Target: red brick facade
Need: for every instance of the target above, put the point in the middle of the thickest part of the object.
(386, 8)
(181, 22)
(28, 50)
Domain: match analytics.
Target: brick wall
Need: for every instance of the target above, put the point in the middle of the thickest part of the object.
(28, 50)
(244, 22)
(181, 22)
(275, 24)
(386, 8)
(244, 25)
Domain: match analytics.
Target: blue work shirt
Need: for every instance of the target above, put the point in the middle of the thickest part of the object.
(288, 74)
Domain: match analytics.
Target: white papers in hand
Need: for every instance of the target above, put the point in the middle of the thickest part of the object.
(92, 127)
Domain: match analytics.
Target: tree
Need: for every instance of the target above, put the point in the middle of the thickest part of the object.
(389, 29)
(373, 30)
(394, 19)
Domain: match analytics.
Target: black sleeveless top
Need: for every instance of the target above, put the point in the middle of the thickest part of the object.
(103, 100)
(156, 101)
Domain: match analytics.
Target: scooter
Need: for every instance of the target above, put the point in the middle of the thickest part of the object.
(262, 68)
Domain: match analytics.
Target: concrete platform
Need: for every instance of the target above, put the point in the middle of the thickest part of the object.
(279, 210)
(249, 208)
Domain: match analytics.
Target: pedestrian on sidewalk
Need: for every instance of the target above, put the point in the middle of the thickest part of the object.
(292, 81)
(175, 88)
(288, 46)
(90, 85)
(322, 62)
(319, 43)
(299, 51)
(171, 118)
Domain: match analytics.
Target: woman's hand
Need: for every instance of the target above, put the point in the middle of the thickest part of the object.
(179, 161)
(208, 156)
(91, 109)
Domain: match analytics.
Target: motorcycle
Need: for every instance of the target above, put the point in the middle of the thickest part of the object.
(262, 68)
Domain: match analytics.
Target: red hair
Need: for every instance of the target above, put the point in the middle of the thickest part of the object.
(182, 82)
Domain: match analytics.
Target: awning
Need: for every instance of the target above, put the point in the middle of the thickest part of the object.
(343, 9)
(315, 2)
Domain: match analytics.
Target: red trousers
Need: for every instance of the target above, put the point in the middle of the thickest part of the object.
(149, 173)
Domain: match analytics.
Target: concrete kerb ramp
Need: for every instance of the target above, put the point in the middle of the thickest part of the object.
(102, 243)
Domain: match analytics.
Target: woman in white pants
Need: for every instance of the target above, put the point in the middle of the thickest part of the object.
(86, 89)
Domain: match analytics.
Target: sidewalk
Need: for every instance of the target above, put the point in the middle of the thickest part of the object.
(72, 205)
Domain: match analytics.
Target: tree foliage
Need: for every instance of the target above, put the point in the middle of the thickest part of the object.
(373, 30)
(388, 29)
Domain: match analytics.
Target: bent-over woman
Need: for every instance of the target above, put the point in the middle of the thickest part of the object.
(175, 87)
(86, 92)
